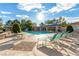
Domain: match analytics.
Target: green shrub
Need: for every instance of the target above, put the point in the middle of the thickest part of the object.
(69, 29)
(16, 28)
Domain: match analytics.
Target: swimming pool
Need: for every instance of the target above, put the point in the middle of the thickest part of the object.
(37, 32)
(38, 35)
(76, 28)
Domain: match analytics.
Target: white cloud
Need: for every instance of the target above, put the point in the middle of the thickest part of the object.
(60, 7)
(41, 13)
(73, 9)
(3, 16)
(29, 7)
(22, 16)
(40, 16)
(35, 10)
(71, 19)
(5, 12)
(18, 15)
(40, 10)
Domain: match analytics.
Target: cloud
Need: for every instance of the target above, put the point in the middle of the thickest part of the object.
(40, 10)
(35, 10)
(40, 16)
(29, 7)
(73, 9)
(71, 19)
(3, 16)
(61, 7)
(22, 16)
(5, 12)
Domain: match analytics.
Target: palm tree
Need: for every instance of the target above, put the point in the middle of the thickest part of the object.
(23, 24)
(29, 25)
(48, 22)
(16, 21)
(51, 21)
(41, 24)
(61, 19)
(9, 23)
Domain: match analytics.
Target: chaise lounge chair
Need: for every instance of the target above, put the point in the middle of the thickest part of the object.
(55, 37)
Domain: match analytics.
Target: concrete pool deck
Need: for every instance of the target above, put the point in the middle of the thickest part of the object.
(7, 44)
(65, 48)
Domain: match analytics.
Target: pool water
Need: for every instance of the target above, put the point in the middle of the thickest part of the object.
(38, 35)
(76, 28)
(38, 32)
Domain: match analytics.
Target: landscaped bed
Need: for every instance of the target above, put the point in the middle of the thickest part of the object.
(24, 46)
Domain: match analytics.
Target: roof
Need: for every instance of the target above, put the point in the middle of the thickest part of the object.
(53, 25)
(76, 23)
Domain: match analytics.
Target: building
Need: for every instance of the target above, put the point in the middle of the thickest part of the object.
(52, 27)
(76, 26)
(39, 28)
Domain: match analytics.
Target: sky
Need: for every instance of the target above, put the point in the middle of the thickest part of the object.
(39, 12)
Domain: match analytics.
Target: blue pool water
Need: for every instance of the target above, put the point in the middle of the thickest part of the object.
(76, 28)
(38, 33)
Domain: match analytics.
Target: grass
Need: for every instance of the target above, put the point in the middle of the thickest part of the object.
(24, 46)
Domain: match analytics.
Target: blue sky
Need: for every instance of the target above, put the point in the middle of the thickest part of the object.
(39, 12)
